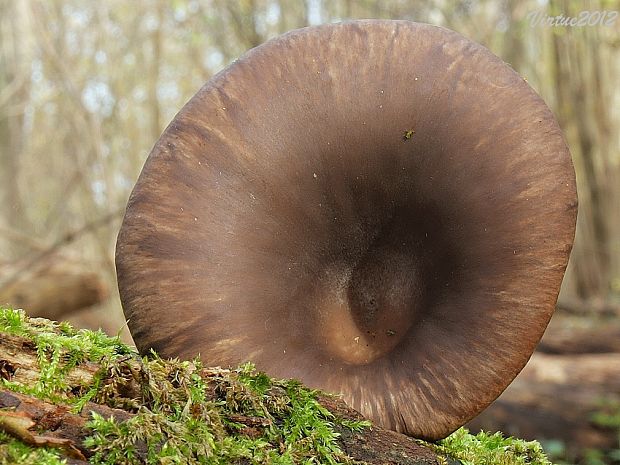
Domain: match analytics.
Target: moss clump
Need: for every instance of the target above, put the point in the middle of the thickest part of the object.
(13, 451)
(239, 415)
(60, 349)
(608, 417)
(186, 413)
(491, 449)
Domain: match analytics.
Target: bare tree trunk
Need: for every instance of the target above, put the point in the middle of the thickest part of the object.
(15, 43)
(153, 75)
(583, 93)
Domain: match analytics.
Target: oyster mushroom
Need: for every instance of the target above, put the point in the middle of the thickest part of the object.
(379, 208)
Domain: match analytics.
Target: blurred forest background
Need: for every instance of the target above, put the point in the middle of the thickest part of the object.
(86, 88)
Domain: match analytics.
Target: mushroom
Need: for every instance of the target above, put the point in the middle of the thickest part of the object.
(382, 209)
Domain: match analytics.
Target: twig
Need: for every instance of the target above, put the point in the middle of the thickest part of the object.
(18, 236)
(64, 240)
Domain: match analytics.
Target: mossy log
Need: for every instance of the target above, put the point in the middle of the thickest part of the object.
(56, 426)
(83, 397)
(62, 426)
(44, 424)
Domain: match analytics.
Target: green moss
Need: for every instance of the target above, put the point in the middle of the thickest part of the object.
(60, 348)
(491, 449)
(186, 413)
(179, 417)
(13, 451)
(289, 425)
(607, 416)
(354, 425)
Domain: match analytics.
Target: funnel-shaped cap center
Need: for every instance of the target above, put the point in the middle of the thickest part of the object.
(367, 310)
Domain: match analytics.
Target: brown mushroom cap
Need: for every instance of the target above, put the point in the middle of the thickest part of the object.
(379, 208)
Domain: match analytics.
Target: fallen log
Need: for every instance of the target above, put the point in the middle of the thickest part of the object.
(52, 288)
(60, 425)
(89, 398)
(44, 424)
(557, 397)
(571, 334)
(593, 306)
